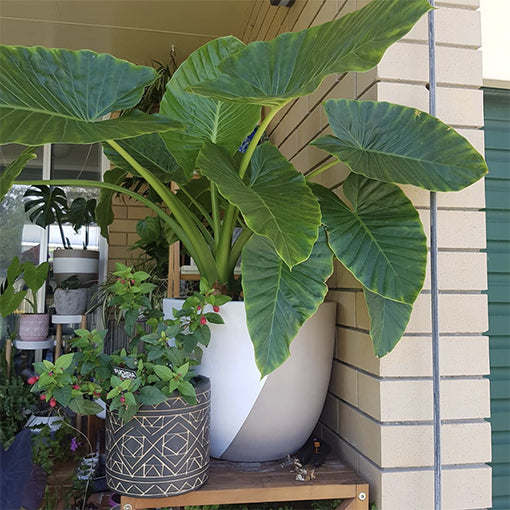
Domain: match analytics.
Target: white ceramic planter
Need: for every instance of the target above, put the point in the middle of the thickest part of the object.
(254, 419)
(84, 263)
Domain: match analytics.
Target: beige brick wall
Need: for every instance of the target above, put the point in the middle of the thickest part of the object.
(379, 412)
(122, 232)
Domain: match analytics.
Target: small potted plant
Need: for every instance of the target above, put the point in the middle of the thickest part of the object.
(154, 398)
(32, 326)
(47, 205)
(69, 298)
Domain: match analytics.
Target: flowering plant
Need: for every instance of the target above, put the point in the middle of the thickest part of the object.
(130, 378)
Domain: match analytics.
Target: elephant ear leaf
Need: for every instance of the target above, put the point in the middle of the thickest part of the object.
(57, 95)
(380, 240)
(291, 222)
(294, 64)
(225, 124)
(278, 300)
(397, 147)
(151, 153)
(388, 321)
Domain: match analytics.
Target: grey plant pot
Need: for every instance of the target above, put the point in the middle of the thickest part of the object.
(163, 451)
(71, 301)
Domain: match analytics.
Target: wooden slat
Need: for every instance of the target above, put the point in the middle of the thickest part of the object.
(235, 482)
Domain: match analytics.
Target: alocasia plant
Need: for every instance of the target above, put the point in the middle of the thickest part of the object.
(291, 228)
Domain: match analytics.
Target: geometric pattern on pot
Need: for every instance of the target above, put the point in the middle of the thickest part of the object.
(163, 450)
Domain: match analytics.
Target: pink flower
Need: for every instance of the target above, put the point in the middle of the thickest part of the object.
(33, 380)
(216, 308)
(203, 320)
(76, 386)
(53, 402)
(199, 307)
(122, 399)
(42, 396)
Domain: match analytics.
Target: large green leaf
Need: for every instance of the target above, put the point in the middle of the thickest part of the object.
(276, 203)
(380, 240)
(394, 143)
(35, 276)
(151, 152)
(294, 64)
(222, 123)
(56, 95)
(104, 208)
(388, 321)
(277, 300)
(10, 300)
(14, 169)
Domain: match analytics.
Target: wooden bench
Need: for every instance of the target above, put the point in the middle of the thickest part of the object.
(236, 482)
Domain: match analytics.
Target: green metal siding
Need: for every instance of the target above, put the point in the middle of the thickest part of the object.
(497, 153)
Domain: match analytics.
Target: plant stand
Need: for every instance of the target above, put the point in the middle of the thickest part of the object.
(59, 320)
(262, 482)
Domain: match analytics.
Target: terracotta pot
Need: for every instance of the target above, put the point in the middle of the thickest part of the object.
(163, 451)
(34, 327)
(84, 263)
(254, 419)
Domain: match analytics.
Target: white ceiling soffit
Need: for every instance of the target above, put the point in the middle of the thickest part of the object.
(138, 31)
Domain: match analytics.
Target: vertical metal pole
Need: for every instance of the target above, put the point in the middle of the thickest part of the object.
(436, 376)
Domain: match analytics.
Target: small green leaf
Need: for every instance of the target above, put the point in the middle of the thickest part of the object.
(64, 361)
(63, 395)
(83, 406)
(214, 318)
(150, 395)
(164, 373)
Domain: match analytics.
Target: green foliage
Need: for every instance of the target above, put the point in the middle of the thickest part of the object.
(128, 379)
(29, 274)
(49, 447)
(16, 400)
(211, 105)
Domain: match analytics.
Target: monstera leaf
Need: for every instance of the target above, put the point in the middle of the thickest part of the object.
(294, 64)
(204, 119)
(56, 95)
(276, 203)
(278, 300)
(402, 145)
(380, 240)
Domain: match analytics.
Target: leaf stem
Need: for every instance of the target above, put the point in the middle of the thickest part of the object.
(321, 169)
(194, 242)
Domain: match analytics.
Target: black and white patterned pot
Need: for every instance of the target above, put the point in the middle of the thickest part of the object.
(163, 451)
